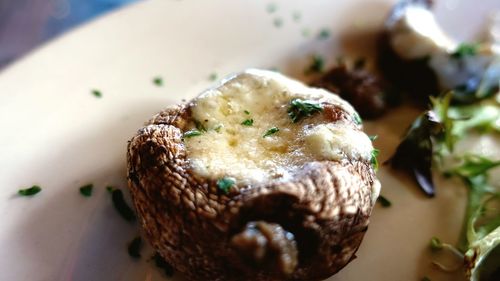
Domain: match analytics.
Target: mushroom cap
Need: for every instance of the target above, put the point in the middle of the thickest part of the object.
(190, 222)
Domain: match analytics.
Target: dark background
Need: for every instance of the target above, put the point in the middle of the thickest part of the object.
(25, 24)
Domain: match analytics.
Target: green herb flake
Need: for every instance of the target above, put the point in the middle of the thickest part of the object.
(316, 66)
(213, 76)
(192, 133)
(373, 138)
(225, 184)
(435, 244)
(271, 8)
(271, 131)
(296, 16)
(300, 109)
(324, 34)
(120, 205)
(357, 119)
(425, 278)
(97, 93)
(374, 160)
(218, 128)
(86, 190)
(158, 81)
(248, 122)
(384, 202)
(464, 50)
(306, 32)
(134, 247)
(29, 191)
(278, 22)
(161, 263)
(110, 189)
(246, 112)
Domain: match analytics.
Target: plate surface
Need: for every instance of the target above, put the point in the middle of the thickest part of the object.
(56, 134)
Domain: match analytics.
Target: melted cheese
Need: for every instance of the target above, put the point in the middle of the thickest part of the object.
(229, 148)
(415, 34)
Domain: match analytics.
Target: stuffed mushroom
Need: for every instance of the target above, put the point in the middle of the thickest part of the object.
(258, 178)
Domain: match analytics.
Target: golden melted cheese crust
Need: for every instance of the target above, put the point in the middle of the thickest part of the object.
(228, 148)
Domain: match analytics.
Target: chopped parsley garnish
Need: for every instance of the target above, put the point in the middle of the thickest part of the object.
(278, 22)
(161, 263)
(218, 128)
(158, 81)
(192, 133)
(248, 122)
(306, 32)
(97, 93)
(465, 50)
(300, 109)
(134, 247)
(212, 76)
(29, 191)
(225, 184)
(200, 126)
(271, 8)
(373, 138)
(317, 65)
(86, 190)
(384, 202)
(324, 34)
(120, 205)
(271, 131)
(357, 119)
(296, 16)
(374, 160)
(247, 112)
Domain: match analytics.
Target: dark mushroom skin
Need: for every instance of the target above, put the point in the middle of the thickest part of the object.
(307, 228)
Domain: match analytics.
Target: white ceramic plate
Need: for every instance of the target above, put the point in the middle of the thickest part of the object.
(55, 133)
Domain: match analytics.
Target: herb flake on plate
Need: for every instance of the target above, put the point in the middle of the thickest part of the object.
(317, 65)
(384, 202)
(29, 191)
(158, 81)
(324, 34)
(86, 190)
(120, 205)
(212, 77)
(96, 93)
(134, 247)
(278, 22)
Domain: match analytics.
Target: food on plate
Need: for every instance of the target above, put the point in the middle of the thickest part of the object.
(418, 56)
(258, 178)
(361, 88)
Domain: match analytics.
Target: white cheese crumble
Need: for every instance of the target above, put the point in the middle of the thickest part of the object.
(415, 34)
(229, 148)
